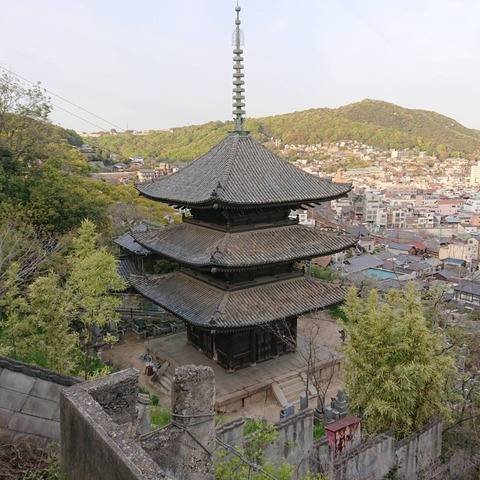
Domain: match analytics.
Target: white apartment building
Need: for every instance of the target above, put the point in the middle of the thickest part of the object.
(371, 205)
(475, 174)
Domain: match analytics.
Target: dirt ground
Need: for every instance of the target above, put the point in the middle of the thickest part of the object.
(127, 352)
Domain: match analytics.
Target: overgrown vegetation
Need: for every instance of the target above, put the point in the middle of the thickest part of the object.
(160, 415)
(250, 462)
(22, 461)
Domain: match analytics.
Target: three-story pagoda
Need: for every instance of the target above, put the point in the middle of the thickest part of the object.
(239, 288)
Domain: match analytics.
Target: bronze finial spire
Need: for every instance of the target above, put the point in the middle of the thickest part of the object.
(238, 90)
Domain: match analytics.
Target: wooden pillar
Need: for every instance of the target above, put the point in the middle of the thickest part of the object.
(214, 347)
(253, 346)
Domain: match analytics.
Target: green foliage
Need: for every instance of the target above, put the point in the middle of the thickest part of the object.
(155, 401)
(252, 425)
(395, 372)
(93, 276)
(220, 419)
(37, 322)
(324, 273)
(253, 452)
(337, 313)
(160, 416)
(165, 266)
(318, 431)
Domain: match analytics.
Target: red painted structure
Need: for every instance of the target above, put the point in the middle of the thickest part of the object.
(344, 435)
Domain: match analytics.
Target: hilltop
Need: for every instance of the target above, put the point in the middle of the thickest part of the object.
(373, 122)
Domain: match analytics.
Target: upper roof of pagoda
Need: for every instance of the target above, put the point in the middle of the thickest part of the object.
(239, 172)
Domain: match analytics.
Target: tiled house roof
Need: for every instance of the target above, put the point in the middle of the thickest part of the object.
(205, 305)
(240, 172)
(200, 246)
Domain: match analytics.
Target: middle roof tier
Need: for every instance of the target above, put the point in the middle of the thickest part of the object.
(203, 247)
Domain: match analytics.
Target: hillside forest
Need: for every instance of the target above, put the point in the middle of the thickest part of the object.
(372, 122)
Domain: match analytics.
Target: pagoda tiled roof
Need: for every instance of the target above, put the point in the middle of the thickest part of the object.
(127, 242)
(200, 246)
(205, 305)
(240, 172)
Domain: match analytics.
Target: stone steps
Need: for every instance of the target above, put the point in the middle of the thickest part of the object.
(291, 387)
(163, 379)
(165, 384)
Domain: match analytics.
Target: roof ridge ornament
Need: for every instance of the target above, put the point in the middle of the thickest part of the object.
(238, 90)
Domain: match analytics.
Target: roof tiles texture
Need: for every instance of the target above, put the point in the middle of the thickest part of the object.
(205, 305)
(240, 172)
(205, 247)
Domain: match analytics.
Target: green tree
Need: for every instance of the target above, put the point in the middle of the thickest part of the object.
(14, 325)
(22, 107)
(51, 322)
(395, 369)
(54, 343)
(93, 276)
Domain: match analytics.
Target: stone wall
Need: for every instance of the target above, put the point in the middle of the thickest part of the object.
(29, 402)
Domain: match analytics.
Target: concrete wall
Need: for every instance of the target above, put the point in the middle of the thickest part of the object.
(93, 444)
(100, 429)
(29, 402)
(381, 454)
(419, 452)
(294, 442)
(232, 432)
(372, 460)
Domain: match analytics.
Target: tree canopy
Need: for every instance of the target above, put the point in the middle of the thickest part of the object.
(376, 123)
(395, 372)
(51, 322)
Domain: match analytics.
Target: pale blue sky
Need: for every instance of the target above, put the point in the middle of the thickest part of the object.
(153, 64)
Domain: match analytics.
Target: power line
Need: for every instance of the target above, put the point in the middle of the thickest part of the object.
(65, 100)
(81, 118)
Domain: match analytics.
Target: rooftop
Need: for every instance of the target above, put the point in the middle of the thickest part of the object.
(209, 306)
(200, 246)
(240, 172)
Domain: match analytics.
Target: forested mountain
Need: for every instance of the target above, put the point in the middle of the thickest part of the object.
(373, 122)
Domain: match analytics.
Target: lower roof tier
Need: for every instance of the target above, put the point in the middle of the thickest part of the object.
(204, 305)
(203, 247)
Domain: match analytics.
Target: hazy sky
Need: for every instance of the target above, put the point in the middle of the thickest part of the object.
(154, 64)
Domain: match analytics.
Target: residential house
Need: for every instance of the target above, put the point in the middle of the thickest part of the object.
(146, 175)
(136, 161)
(362, 262)
(458, 251)
(449, 206)
(467, 291)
